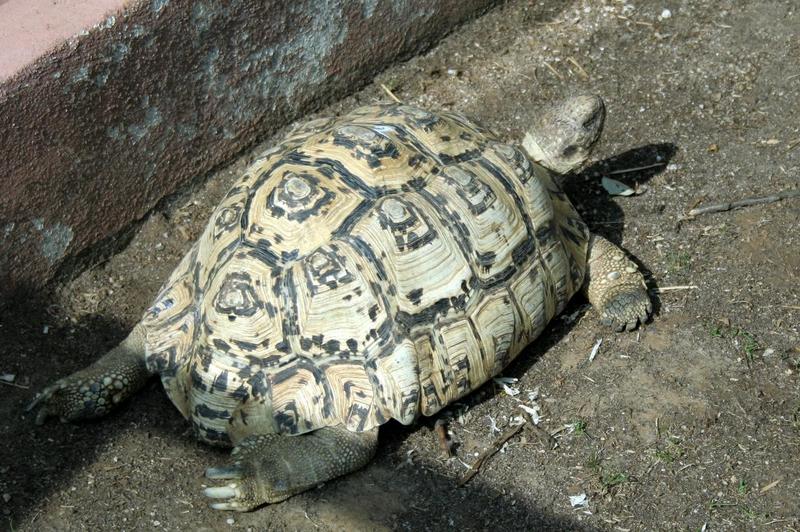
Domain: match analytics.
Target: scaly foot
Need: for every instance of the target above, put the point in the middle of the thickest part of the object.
(615, 287)
(269, 468)
(94, 391)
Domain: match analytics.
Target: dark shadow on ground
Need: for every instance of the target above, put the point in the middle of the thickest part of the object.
(634, 168)
(43, 460)
(38, 345)
(600, 210)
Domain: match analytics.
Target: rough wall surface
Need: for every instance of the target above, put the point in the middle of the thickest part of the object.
(96, 132)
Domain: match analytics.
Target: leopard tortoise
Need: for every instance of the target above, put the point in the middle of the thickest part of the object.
(375, 266)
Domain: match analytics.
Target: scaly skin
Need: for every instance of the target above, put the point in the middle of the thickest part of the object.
(94, 391)
(564, 135)
(269, 468)
(562, 140)
(615, 287)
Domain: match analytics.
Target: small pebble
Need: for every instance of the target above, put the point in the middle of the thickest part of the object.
(230, 520)
(6, 497)
(666, 13)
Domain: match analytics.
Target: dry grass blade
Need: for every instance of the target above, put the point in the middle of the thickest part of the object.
(662, 289)
(388, 91)
(555, 72)
(581, 70)
(769, 486)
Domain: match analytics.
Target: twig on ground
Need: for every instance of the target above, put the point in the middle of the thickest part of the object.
(445, 444)
(747, 202)
(776, 521)
(388, 91)
(14, 384)
(635, 169)
(545, 437)
(489, 452)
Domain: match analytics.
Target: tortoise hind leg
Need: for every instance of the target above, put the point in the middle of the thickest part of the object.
(269, 468)
(615, 287)
(94, 391)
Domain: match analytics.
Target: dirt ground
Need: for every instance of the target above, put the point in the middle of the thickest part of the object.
(691, 423)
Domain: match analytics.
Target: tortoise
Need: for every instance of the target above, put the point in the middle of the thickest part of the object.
(375, 266)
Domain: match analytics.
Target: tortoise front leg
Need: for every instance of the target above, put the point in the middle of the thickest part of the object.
(269, 468)
(615, 287)
(94, 391)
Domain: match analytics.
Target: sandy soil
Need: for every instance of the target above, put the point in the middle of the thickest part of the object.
(692, 421)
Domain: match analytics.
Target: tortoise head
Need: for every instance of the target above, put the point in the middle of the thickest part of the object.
(563, 136)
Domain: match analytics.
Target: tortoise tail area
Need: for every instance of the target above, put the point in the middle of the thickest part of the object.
(170, 328)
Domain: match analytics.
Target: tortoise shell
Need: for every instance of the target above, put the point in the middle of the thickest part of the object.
(376, 266)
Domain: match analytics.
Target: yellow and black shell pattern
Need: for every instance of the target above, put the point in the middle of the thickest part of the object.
(379, 265)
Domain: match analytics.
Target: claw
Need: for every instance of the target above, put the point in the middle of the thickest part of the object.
(222, 492)
(41, 396)
(41, 416)
(231, 492)
(40, 402)
(223, 472)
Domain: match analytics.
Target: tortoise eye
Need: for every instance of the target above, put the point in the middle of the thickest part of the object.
(569, 151)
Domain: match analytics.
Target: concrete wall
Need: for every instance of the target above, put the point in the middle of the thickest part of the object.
(97, 130)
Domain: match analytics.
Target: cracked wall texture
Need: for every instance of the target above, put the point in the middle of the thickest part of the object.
(95, 132)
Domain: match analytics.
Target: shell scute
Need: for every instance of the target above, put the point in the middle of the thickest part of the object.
(415, 251)
(336, 303)
(295, 210)
(376, 266)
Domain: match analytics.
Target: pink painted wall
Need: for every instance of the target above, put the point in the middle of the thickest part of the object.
(106, 106)
(29, 28)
